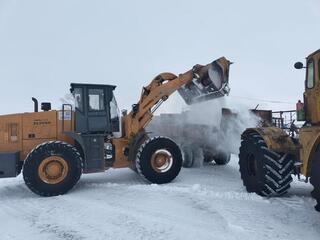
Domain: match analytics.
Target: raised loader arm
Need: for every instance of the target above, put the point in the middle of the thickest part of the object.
(201, 83)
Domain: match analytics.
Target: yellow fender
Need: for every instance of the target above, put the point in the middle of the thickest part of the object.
(309, 140)
(275, 138)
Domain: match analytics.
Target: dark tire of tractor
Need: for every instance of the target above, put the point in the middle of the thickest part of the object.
(55, 148)
(263, 171)
(222, 158)
(315, 178)
(187, 157)
(144, 155)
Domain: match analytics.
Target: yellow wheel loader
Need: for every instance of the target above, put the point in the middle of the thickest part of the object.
(54, 147)
(269, 156)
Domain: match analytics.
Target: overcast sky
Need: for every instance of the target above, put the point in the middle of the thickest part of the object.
(46, 45)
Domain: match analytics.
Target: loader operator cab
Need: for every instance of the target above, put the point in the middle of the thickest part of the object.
(96, 109)
(312, 86)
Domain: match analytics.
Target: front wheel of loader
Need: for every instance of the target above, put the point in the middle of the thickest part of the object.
(315, 178)
(52, 168)
(159, 160)
(263, 171)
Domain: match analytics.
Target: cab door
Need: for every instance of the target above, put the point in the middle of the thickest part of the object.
(97, 109)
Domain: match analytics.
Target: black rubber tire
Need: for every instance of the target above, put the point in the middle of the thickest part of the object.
(263, 171)
(222, 158)
(54, 148)
(315, 178)
(187, 157)
(143, 160)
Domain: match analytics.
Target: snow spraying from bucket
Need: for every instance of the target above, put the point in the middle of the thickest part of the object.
(230, 127)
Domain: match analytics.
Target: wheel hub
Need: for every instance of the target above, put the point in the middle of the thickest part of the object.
(53, 170)
(161, 161)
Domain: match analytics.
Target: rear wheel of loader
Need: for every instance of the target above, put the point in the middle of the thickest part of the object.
(159, 160)
(52, 168)
(315, 178)
(263, 171)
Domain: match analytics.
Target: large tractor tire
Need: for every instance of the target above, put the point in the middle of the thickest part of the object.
(263, 171)
(222, 158)
(52, 168)
(315, 178)
(159, 160)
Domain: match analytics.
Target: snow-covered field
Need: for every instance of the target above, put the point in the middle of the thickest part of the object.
(204, 203)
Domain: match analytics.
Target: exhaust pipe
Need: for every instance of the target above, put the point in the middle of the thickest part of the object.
(36, 105)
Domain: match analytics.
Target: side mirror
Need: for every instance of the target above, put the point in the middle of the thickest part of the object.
(298, 65)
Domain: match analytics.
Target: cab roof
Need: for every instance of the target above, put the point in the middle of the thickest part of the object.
(77, 85)
(314, 53)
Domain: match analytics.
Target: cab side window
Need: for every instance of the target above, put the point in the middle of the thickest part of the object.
(79, 98)
(114, 111)
(310, 74)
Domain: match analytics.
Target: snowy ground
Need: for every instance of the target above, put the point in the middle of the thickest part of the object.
(204, 203)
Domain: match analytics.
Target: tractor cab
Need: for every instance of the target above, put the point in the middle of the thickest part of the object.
(96, 109)
(312, 87)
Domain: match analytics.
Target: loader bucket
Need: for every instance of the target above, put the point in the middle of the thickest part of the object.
(209, 82)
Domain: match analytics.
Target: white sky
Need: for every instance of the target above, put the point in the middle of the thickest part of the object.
(46, 45)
